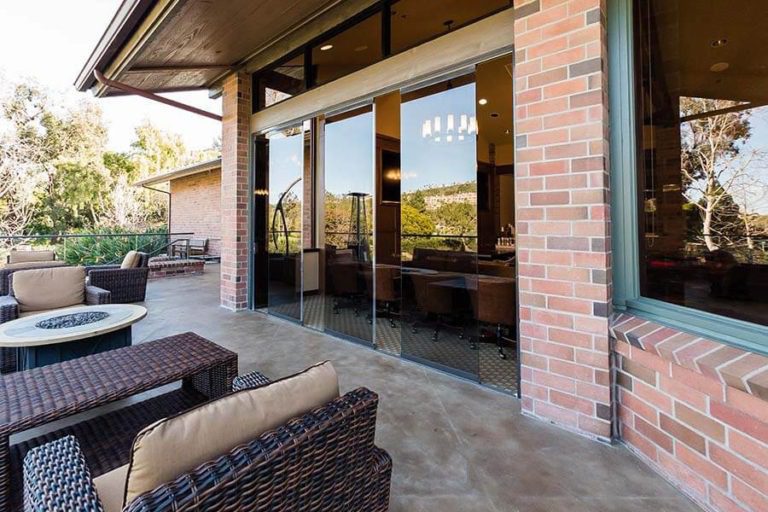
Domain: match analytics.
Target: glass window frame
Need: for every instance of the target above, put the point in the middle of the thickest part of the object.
(384, 8)
(623, 83)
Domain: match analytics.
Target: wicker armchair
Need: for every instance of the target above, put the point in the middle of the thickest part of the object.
(126, 284)
(324, 460)
(9, 310)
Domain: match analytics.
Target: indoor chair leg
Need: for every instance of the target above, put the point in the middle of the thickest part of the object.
(499, 342)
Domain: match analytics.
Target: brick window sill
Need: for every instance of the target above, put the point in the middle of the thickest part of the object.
(731, 366)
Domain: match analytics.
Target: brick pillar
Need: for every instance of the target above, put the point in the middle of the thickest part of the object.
(562, 204)
(235, 140)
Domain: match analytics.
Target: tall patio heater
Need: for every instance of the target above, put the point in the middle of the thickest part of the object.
(357, 239)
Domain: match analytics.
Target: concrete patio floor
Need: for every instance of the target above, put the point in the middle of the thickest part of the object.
(456, 446)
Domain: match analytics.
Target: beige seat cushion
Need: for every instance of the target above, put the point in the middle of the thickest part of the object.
(28, 256)
(35, 264)
(111, 488)
(49, 288)
(173, 446)
(131, 260)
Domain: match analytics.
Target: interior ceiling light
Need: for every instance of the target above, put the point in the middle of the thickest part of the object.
(719, 43)
(326, 47)
(719, 67)
(361, 48)
(483, 101)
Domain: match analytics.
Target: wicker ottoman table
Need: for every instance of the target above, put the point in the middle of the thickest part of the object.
(35, 397)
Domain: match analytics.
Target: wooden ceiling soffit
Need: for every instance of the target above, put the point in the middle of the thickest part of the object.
(299, 35)
(159, 14)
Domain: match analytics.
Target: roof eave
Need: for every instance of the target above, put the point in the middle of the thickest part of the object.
(210, 165)
(129, 15)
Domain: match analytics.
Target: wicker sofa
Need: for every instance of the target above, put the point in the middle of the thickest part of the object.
(323, 460)
(127, 282)
(60, 287)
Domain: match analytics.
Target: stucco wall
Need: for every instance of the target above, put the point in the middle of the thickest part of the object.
(196, 207)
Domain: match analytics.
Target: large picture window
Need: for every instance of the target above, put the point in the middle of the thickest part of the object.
(702, 131)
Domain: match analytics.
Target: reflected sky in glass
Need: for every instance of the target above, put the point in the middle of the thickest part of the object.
(349, 155)
(426, 162)
(285, 164)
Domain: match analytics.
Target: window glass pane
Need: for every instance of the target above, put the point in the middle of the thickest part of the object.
(280, 82)
(285, 241)
(349, 245)
(417, 21)
(354, 48)
(439, 225)
(704, 155)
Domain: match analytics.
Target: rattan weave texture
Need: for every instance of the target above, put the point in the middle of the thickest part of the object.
(36, 397)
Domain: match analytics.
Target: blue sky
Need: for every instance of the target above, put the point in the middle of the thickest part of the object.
(349, 155)
(50, 40)
(426, 162)
(286, 162)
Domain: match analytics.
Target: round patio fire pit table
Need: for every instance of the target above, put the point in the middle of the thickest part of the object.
(68, 333)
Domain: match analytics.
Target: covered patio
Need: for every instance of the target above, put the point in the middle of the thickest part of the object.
(456, 446)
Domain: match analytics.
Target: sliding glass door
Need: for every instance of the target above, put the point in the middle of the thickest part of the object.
(439, 225)
(285, 164)
(392, 224)
(348, 169)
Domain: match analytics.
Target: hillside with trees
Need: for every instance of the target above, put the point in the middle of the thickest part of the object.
(58, 176)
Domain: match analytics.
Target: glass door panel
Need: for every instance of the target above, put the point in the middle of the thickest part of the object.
(495, 304)
(284, 229)
(349, 243)
(388, 223)
(439, 225)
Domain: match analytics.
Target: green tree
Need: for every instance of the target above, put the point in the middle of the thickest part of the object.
(712, 162)
(155, 151)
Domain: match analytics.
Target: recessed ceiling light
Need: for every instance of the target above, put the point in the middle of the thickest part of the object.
(361, 48)
(326, 47)
(719, 43)
(719, 67)
(483, 101)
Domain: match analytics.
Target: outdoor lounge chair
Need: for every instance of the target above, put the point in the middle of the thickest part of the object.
(44, 289)
(297, 446)
(191, 248)
(127, 282)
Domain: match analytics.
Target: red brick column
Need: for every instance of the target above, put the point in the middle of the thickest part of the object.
(562, 201)
(235, 141)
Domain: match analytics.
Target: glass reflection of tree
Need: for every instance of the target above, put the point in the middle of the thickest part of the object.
(286, 219)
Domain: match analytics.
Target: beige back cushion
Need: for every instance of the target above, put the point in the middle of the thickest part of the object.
(28, 256)
(131, 260)
(35, 264)
(173, 446)
(49, 288)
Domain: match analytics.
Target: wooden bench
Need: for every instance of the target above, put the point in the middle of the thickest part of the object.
(36, 397)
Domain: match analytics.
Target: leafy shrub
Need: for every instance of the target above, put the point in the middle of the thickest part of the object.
(95, 250)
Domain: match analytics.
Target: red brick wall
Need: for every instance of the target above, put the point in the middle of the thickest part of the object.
(562, 212)
(235, 142)
(696, 411)
(196, 207)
